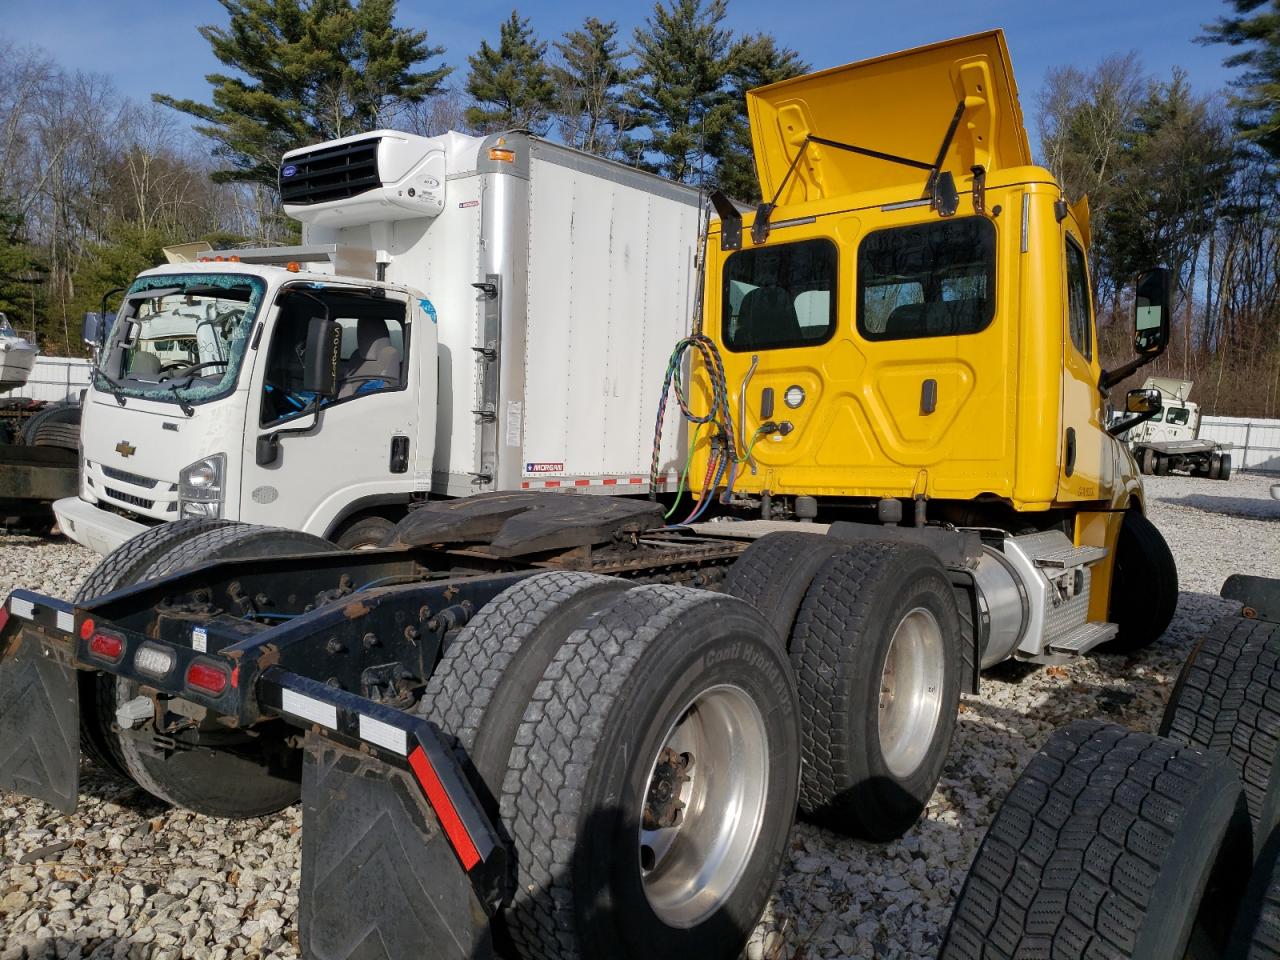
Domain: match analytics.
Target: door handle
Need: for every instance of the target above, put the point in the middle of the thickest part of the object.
(928, 396)
(399, 454)
(1070, 466)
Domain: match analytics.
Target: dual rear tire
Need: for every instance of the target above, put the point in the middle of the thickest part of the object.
(875, 639)
(639, 747)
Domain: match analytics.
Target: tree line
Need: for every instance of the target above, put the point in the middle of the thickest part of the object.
(96, 185)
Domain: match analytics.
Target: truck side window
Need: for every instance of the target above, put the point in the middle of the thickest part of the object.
(1078, 300)
(927, 280)
(780, 296)
(374, 338)
(1178, 416)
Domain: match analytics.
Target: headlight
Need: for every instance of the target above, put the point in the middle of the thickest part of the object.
(200, 488)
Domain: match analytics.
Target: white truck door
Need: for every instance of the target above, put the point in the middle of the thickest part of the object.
(358, 450)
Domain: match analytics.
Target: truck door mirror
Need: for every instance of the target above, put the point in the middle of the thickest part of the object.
(1151, 308)
(1146, 401)
(1139, 406)
(321, 357)
(94, 328)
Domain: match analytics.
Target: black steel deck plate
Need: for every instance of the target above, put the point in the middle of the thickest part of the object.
(526, 522)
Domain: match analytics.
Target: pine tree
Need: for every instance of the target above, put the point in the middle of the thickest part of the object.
(589, 80)
(756, 61)
(308, 70)
(511, 84)
(680, 91)
(1257, 30)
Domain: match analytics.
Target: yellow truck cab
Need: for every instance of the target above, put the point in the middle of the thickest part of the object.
(907, 333)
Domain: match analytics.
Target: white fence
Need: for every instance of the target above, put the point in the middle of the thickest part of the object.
(1256, 443)
(55, 378)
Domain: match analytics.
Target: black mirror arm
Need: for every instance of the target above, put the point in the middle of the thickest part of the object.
(1110, 378)
(1129, 423)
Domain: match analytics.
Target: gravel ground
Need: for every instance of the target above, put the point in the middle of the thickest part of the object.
(124, 877)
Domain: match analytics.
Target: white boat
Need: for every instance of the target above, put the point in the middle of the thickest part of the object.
(17, 355)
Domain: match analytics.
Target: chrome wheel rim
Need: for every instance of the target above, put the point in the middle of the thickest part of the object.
(911, 692)
(702, 806)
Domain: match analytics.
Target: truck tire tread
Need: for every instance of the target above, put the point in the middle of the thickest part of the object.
(774, 573)
(558, 744)
(498, 658)
(832, 652)
(1105, 847)
(1227, 700)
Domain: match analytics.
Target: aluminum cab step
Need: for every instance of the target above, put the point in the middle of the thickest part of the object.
(1069, 557)
(1083, 638)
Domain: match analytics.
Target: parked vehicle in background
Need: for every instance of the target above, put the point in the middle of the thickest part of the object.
(1169, 441)
(497, 309)
(17, 355)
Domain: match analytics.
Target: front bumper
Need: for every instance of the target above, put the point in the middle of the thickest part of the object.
(92, 527)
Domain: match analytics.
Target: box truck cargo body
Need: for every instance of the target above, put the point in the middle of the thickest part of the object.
(507, 309)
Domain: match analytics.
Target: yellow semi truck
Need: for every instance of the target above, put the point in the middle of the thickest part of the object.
(558, 716)
(906, 325)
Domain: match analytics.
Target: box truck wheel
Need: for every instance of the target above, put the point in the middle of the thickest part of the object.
(1111, 844)
(483, 683)
(876, 651)
(1227, 701)
(1224, 467)
(123, 566)
(1148, 461)
(56, 413)
(1161, 466)
(1257, 929)
(213, 770)
(652, 785)
(774, 573)
(364, 534)
(1144, 585)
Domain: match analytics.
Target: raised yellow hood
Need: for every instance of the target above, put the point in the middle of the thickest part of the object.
(899, 104)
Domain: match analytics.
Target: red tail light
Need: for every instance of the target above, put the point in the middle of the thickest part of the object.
(207, 678)
(86, 628)
(106, 646)
(4, 617)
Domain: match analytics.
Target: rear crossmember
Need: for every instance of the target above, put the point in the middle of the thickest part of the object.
(387, 806)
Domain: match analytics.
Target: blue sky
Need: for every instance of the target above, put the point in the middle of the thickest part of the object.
(152, 45)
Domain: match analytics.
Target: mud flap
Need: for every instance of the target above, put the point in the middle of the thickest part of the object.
(1260, 596)
(39, 723)
(379, 879)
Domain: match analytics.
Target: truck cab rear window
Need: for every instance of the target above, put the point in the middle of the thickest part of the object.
(927, 280)
(780, 296)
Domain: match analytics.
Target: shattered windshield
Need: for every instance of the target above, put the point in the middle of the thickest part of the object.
(180, 337)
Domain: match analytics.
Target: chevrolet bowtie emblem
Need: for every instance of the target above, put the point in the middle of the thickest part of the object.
(126, 449)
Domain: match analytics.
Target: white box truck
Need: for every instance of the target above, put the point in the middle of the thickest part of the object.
(505, 306)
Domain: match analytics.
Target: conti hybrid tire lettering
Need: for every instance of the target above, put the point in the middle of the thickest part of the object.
(774, 573)
(1110, 844)
(652, 785)
(876, 650)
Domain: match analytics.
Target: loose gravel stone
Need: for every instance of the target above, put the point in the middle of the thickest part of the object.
(137, 880)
